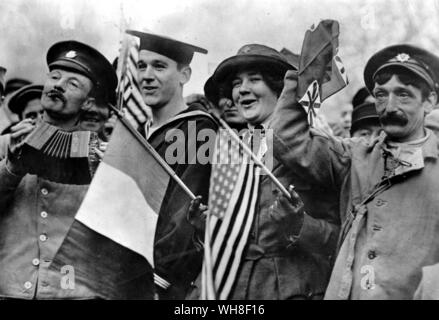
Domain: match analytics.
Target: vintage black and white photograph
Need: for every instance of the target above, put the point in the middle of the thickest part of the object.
(194, 150)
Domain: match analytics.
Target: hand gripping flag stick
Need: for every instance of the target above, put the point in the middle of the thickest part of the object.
(154, 153)
(246, 149)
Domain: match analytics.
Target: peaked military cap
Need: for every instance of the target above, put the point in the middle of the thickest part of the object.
(83, 59)
(360, 97)
(178, 51)
(365, 111)
(14, 84)
(19, 98)
(415, 59)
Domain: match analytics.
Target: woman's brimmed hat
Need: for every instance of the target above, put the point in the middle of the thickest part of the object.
(248, 56)
(252, 55)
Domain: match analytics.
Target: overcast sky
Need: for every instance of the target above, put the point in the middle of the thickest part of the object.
(29, 27)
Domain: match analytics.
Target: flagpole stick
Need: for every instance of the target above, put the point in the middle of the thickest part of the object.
(258, 162)
(153, 152)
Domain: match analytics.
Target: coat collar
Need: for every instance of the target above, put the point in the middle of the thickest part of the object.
(429, 148)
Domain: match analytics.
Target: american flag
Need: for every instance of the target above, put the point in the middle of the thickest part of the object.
(129, 95)
(232, 197)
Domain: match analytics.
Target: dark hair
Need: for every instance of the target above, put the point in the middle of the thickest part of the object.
(274, 81)
(180, 66)
(407, 77)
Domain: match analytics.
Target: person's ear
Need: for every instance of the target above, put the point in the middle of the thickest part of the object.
(430, 102)
(185, 74)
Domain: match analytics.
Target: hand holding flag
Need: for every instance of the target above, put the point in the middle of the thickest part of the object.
(321, 72)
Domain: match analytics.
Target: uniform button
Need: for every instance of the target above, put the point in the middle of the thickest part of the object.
(376, 227)
(380, 202)
(44, 191)
(28, 284)
(43, 214)
(43, 237)
(36, 262)
(372, 254)
(44, 284)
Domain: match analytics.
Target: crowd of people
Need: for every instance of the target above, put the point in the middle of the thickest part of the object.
(362, 211)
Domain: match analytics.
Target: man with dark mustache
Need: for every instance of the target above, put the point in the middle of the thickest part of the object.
(388, 188)
(163, 70)
(37, 210)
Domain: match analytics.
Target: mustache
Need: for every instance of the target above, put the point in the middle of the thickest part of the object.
(56, 94)
(393, 118)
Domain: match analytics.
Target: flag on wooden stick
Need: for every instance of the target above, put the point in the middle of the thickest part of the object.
(110, 243)
(232, 197)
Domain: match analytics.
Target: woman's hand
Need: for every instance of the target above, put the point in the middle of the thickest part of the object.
(287, 214)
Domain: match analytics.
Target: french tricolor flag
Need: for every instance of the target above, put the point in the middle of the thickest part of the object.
(110, 243)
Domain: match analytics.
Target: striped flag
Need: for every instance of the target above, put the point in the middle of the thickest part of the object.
(129, 94)
(110, 243)
(232, 198)
(321, 71)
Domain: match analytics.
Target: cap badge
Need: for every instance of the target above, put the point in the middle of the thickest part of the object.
(402, 57)
(71, 54)
(246, 49)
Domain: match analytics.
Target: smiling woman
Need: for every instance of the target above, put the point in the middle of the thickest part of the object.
(253, 97)
(277, 249)
(253, 79)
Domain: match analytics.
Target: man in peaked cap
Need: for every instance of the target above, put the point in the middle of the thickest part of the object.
(215, 94)
(11, 86)
(388, 189)
(38, 210)
(163, 70)
(365, 120)
(26, 102)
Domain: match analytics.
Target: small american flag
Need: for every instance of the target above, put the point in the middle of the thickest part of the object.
(225, 173)
(232, 198)
(136, 111)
